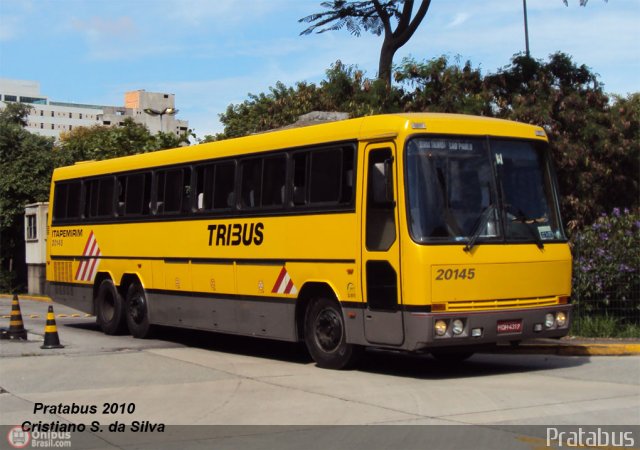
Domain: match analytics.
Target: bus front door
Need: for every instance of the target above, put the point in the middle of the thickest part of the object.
(381, 248)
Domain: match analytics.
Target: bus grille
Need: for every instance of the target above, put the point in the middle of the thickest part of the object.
(62, 271)
(501, 304)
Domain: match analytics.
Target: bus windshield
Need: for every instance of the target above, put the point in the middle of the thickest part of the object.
(463, 190)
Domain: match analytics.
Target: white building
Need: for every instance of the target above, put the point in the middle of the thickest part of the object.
(50, 118)
(35, 236)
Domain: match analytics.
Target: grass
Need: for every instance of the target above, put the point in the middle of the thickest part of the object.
(603, 327)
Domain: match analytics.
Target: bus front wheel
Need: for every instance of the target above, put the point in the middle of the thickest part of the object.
(109, 308)
(325, 337)
(138, 312)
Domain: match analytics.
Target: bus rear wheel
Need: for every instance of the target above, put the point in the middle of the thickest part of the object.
(137, 312)
(325, 336)
(110, 308)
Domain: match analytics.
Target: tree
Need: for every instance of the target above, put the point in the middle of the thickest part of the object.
(374, 16)
(101, 142)
(440, 86)
(595, 142)
(26, 163)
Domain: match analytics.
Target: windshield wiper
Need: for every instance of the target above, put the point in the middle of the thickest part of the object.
(482, 223)
(527, 222)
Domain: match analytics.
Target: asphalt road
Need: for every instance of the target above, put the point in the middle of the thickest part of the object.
(196, 378)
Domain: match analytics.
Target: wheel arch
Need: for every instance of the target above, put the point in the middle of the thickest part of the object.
(127, 280)
(309, 291)
(100, 277)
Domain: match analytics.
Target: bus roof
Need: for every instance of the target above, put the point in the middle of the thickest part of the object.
(362, 129)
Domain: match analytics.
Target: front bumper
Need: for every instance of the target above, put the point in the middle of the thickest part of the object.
(495, 327)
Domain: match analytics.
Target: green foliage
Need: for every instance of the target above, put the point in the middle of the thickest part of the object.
(101, 142)
(26, 163)
(607, 266)
(596, 160)
(442, 87)
(603, 326)
(595, 140)
(280, 106)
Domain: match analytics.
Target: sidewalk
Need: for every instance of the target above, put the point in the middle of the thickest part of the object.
(576, 346)
(567, 346)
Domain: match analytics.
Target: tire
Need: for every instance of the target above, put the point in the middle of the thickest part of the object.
(137, 312)
(325, 337)
(110, 308)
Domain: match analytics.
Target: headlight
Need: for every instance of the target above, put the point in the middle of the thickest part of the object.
(561, 319)
(457, 327)
(441, 327)
(549, 320)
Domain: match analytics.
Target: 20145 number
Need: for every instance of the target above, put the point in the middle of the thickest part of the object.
(455, 274)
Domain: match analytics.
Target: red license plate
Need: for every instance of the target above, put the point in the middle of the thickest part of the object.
(509, 326)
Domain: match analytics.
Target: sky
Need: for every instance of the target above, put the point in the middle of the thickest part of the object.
(212, 53)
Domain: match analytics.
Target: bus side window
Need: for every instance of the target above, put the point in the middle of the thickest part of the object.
(73, 200)
(106, 197)
(204, 187)
(159, 189)
(66, 201)
(325, 180)
(346, 194)
(175, 188)
(121, 192)
(251, 189)
(273, 181)
(300, 176)
(224, 186)
(137, 194)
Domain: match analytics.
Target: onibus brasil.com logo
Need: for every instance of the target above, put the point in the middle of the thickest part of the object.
(19, 438)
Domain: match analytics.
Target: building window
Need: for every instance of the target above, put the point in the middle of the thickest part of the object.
(70, 127)
(32, 230)
(52, 114)
(80, 114)
(70, 115)
(53, 127)
(10, 98)
(41, 113)
(36, 100)
(41, 126)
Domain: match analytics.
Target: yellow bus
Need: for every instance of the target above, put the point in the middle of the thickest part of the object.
(416, 232)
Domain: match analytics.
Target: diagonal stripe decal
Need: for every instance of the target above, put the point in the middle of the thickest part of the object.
(284, 284)
(89, 265)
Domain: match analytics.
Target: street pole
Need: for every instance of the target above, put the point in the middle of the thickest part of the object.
(526, 28)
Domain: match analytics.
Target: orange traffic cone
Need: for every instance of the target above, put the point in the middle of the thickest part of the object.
(51, 339)
(16, 327)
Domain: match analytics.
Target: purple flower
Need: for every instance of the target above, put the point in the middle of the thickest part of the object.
(625, 268)
(616, 212)
(604, 236)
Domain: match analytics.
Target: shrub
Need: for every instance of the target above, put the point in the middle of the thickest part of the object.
(606, 267)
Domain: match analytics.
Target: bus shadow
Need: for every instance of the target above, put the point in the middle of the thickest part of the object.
(424, 366)
(382, 362)
(209, 340)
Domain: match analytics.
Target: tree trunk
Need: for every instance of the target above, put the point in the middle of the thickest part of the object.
(385, 65)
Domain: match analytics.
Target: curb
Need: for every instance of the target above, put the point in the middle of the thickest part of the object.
(35, 298)
(573, 349)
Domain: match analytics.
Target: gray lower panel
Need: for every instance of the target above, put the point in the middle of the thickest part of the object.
(236, 316)
(420, 335)
(73, 295)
